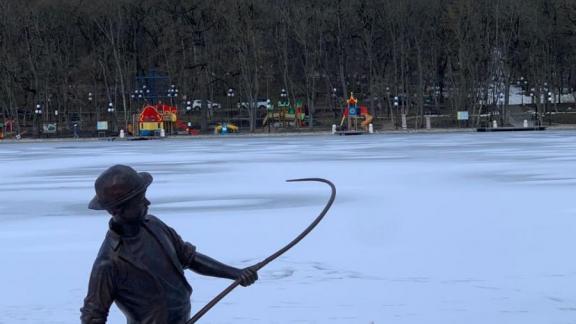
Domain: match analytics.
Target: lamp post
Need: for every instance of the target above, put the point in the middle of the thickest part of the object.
(56, 120)
(536, 114)
(501, 108)
(284, 98)
(550, 101)
(189, 112)
(396, 103)
(90, 99)
(522, 83)
(543, 96)
(334, 95)
(37, 114)
(141, 94)
(172, 93)
(284, 105)
(230, 97)
(389, 106)
(111, 112)
(92, 105)
(269, 110)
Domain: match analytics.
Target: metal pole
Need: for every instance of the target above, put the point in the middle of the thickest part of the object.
(269, 259)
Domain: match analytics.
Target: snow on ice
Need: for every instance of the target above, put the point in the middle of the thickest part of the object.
(426, 228)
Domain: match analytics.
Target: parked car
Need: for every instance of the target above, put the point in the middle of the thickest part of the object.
(260, 104)
(197, 104)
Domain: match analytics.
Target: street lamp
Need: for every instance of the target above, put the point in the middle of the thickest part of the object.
(550, 100)
(38, 114)
(140, 97)
(334, 96)
(543, 97)
(172, 93)
(396, 104)
(111, 111)
(97, 111)
(188, 104)
(56, 121)
(284, 97)
(522, 83)
(536, 114)
(140, 94)
(501, 106)
(230, 95)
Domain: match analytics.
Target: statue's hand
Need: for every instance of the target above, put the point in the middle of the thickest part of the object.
(248, 276)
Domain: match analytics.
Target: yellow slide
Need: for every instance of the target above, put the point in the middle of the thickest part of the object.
(367, 120)
(342, 121)
(230, 128)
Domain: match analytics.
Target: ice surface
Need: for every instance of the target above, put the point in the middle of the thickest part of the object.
(426, 228)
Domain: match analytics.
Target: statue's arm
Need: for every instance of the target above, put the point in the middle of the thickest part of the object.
(184, 250)
(198, 262)
(100, 294)
(207, 266)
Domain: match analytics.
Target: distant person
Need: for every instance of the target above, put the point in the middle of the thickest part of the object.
(141, 261)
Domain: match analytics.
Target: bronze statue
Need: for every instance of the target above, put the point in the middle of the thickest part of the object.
(141, 261)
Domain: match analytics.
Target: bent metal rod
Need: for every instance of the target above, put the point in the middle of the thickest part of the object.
(269, 259)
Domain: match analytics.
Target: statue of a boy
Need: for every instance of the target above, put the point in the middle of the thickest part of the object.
(141, 261)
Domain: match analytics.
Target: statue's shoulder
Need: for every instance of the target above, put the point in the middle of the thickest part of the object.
(106, 257)
(154, 221)
(109, 246)
(152, 218)
(157, 225)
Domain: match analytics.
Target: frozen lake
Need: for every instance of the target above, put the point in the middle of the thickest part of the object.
(470, 228)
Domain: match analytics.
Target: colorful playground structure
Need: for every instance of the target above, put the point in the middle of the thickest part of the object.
(353, 112)
(225, 128)
(286, 115)
(154, 120)
(160, 120)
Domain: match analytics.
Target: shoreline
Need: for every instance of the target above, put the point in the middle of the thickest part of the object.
(249, 135)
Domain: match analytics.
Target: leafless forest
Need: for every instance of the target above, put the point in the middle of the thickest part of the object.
(438, 56)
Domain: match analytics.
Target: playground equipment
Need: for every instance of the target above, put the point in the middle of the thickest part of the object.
(154, 120)
(150, 121)
(225, 128)
(6, 128)
(286, 114)
(354, 112)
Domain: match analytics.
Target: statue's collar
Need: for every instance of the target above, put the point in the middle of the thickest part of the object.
(115, 232)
